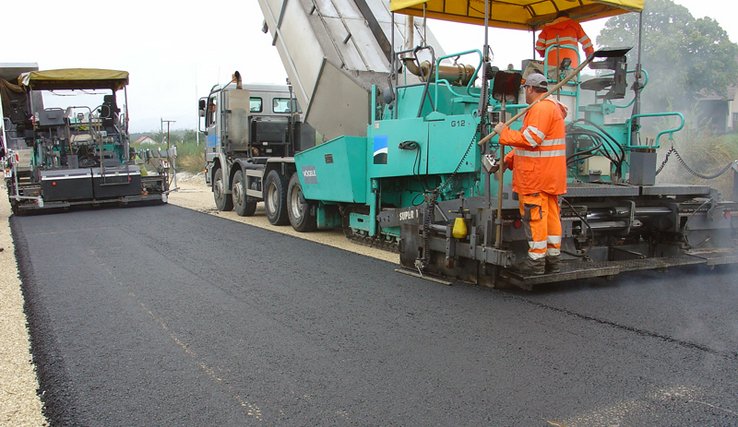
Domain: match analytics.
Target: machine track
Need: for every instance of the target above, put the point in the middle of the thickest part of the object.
(383, 241)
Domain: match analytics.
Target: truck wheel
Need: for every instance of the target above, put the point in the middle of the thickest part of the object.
(300, 211)
(244, 205)
(275, 198)
(223, 201)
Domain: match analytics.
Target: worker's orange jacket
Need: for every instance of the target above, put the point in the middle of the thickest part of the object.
(563, 31)
(539, 156)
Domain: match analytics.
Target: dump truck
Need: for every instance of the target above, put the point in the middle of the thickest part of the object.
(253, 131)
(421, 171)
(75, 154)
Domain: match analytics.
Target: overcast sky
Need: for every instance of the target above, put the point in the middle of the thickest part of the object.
(175, 51)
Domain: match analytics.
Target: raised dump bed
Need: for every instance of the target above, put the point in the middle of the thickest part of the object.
(333, 52)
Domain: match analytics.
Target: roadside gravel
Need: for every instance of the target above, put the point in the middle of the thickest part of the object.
(19, 403)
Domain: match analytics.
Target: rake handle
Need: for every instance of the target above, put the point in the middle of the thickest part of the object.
(545, 95)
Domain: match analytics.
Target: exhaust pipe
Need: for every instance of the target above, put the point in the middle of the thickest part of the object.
(236, 78)
(456, 74)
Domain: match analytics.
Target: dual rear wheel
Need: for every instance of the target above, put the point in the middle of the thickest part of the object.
(285, 204)
(302, 213)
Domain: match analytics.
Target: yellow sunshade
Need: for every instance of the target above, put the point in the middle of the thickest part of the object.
(517, 14)
(74, 78)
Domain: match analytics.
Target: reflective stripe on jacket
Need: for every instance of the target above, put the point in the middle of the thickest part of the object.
(540, 150)
(564, 32)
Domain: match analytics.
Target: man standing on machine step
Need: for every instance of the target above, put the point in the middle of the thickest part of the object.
(563, 31)
(538, 162)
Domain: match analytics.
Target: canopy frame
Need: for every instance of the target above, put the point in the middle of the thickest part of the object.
(515, 14)
(74, 78)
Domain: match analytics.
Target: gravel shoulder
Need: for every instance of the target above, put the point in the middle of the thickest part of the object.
(19, 403)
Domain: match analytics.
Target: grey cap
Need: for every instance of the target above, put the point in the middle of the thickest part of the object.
(536, 80)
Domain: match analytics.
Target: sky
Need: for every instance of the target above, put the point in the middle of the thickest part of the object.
(175, 51)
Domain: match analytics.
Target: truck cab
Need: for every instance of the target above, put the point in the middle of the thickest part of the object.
(251, 130)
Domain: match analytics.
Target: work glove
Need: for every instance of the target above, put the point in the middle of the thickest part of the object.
(499, 127)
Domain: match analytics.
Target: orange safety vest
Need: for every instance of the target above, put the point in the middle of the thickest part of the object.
(563, 32)
(540, 150)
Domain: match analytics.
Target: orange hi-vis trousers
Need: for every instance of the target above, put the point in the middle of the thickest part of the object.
(542, 224)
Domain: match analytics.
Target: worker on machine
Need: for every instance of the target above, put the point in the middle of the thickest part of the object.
(563, 31)
(538, 162)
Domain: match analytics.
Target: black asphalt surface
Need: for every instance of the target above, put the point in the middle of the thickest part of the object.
(165, 316)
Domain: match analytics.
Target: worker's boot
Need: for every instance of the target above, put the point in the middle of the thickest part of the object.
(553, 264)
(530, 266)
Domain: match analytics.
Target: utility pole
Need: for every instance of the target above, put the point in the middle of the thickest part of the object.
(197, 128)
(171, 154)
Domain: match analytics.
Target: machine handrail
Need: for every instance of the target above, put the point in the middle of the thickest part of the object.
(656, 143)
(556, 46)
(469, 85)
(576, 81)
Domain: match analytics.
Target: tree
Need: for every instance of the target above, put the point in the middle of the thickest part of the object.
(685, 57)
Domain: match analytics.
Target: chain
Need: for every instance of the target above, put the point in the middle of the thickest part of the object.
(697, 174)
(666, 159)
(431, 201)
(689, 169)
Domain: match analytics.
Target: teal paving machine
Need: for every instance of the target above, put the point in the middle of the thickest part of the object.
(426, 178)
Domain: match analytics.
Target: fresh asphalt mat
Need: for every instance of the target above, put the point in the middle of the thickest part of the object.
(166, 316)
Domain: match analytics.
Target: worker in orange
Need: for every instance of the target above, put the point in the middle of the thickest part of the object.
(563, 31)
(538, 162)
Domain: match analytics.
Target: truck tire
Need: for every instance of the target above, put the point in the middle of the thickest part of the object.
(300, 211)
(223, 201)
(275, 198)
(242, 203)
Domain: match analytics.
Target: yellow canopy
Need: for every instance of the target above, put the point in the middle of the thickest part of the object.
(74, 78)
(517, 14)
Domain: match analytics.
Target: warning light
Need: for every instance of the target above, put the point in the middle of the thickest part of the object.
(53, 183)
(517, 224)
